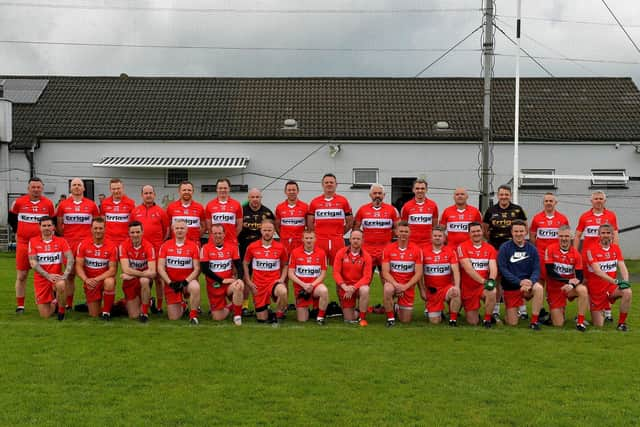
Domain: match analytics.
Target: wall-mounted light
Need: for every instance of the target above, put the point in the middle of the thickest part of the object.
(334, 149)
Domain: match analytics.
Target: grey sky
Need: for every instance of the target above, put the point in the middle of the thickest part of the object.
(246, 38)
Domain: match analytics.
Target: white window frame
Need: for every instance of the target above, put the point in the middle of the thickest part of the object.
(358, 183)
(603, 183)
(169, 184)
(530, 182)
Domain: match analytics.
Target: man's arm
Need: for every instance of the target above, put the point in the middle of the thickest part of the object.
(162, 271)
(503, 267)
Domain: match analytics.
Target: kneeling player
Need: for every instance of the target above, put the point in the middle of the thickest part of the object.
(45, 257)
(441, 281)
(96, 266)
(220, 263)
(563, 264)
(401, 270)
(179, 267)
(138, 262)
(307, 270)
(605, 259)
(477, 260)
(268, 260)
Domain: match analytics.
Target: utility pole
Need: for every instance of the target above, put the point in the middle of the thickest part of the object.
(487, 61)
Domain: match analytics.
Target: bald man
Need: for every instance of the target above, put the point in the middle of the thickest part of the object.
(457, 217)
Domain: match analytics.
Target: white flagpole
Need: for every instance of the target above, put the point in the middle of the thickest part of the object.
(516, 129)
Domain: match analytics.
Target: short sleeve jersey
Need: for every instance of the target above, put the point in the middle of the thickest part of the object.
(499, 221)
(457, 223)
(546, 229)
(96, 257)
(220, 259)
(179, 259)
(377, 223)
(607, 259)
(192, 214)
(479, 257)
(565, 263)
(226, 213)
(590, 222)
(267, 262)
(437, 266)
(138, 257)
(308, 266)
(251, 221)
(29, 213)
(421, 217)
(329, 215)
(76, 218)
(402, 262)
(292, 219)
(117, 216)
(155, 222)
(49, 253)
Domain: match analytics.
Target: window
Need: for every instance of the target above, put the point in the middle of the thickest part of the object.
(176, 176)
(528, 181)
(620, 182)
(363, 178)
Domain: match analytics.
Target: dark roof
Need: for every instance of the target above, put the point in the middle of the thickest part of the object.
(562, 109)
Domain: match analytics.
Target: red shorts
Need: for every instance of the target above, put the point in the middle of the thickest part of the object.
(376, 254)
(601, 298)
(513, 299)
(217, 297)
(436, 298)
(264, 296)
(22, 257)
(330, 247)
(131, 289)
(43, 290)
(291, 244)
(301, 302)
(407, 298)
(174, 297)
(347, 303)
(471, 297)
(94, 294)
(556, 297)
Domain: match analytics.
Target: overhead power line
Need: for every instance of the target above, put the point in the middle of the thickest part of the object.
(592, 60)
(567, 21)
(449, 51)
(621, 26)
(525, 52)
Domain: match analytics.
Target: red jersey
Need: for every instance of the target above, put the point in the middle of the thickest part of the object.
(225, 213)
(402, 262)
(138, 257)
(457, 223)
(50, 255)
(437, 266)
(377, 224)
(96, 257)
(117, 216)
(565, 263)
(192, 214)
(267, 262)
(329, 215)
(29, 213)
(292, 219)
(155, 222)
(546, 229)
(479, 256)
(179, 259)
(352, 269)
(76, 218)
(421, 217)
(607, 259)
(590, 222)
(308, 266)
(220, 259)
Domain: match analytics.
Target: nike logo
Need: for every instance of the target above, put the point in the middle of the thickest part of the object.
(518, 256)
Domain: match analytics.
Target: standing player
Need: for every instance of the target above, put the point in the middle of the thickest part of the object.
(441, 282)
(519, 266)
(563, 264)
(116, 211)
(291, 217)
(179, 267)
(479, 270)
(605, 260)
(330, 216)
(155, 224)
(268, 260)
(307, 270)
(24, 218)
(457, 217)
(45, 254)
(253, 213)
(220, 263)
(226, 211)
(352, 270)
(544, 227)
(96, 266)
(421, 214)
(188, 210)
(138, 262)
(75, 215)
(401, 271)
(376, 220)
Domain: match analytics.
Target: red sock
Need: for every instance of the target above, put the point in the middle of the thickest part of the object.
(279, 314)
(60, 308)
(321, 313)
(109, 297)
(534, 318)
(580, 318)
(145, 309)
(159, 304)
(69, 301)
(487, 317)
(316, 304)
(20, 301)
(193, 313)
(237, 310)
(363, 315)
(453, 316)
(391, 315)
(623, 318)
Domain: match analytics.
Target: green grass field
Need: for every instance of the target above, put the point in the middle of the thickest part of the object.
(87, 372)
